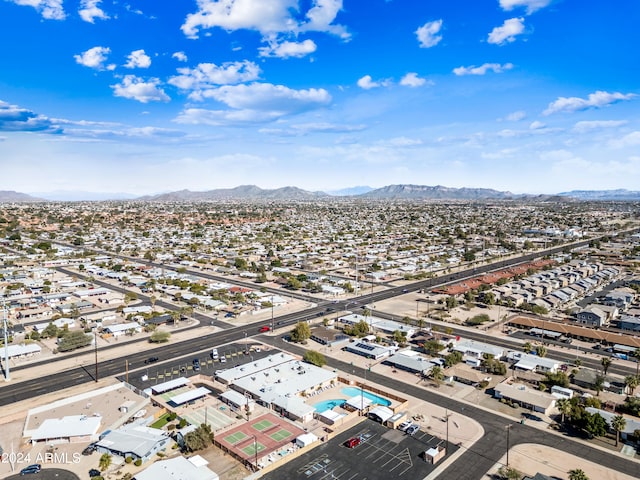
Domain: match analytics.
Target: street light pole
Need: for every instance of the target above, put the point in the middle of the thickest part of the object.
(7, 374)
(508, 430)
(95, 345)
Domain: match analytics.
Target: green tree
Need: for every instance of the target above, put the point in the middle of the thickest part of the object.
(104, 462)
(541, 351)
(74, 340)
(199, 439)
(527, 347)
(564, 407)
(618, 423)
(606, 363)
(159, 336)
(508, 473)
(595, 425)
(598, 384)
(577, 474)
(315, 358)
(301, 332)
(50, 331)
(437, 375)
(631, 382)
(432, 347)
(451, 302)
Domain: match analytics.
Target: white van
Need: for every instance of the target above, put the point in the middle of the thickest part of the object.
(214, 354)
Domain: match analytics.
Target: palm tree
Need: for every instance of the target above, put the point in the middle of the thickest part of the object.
(606, 363)
(527, 347)
(541, 351)
(105, 461)
(437, 375)
(632, 381)
(598, 385)
(564, 407)
(618, 423)
(577, 474)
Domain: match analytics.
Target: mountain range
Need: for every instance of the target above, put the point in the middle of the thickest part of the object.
(389, 192)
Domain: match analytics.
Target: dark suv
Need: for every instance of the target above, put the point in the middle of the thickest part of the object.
(151, 360)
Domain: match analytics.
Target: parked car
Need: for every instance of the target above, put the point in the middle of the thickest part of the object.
(404, 425)
(413, 429)
(196, 365)
(35, 468)
(214, 354)
(223, 359)
(151, 360)
(264, 328)
(353, 442)
(89, 449)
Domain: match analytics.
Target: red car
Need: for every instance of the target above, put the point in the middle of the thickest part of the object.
(353, 442)
(264, 328)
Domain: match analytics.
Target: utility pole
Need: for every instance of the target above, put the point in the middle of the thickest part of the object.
(7, 374)
(95, 345)
(508, 427)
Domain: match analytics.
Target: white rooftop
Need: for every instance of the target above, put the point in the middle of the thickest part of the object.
(178, 468)
(251, 368)
(190, 395)
(170, 385)
(66, 427)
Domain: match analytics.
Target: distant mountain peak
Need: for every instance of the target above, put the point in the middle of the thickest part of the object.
(438, 192)
(9, 196)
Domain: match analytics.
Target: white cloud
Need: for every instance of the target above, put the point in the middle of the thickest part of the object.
(49, 9)
(138, 59)
(588, 126)
(16, 119)
(597, 99)
(482, 69)
(536, 125)
(288, 49)
(274, 16)
(254, 103)
(307, 128)
(516, 116)
(321, 16)
(428, 34)
(136, 88)
(630, 140)
(400, 142)
(180, 56)
(93, 58)
(567, 164)
(507, 32)
(530, 5)
(90, 10)
(206, 75)
(269, 97)
(367, 83)
(201, 116)
(412, 79)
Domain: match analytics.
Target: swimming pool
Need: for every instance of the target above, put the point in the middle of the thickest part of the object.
(354, 392)
(328, 404)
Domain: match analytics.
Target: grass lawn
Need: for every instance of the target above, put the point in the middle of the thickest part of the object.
(161, 422)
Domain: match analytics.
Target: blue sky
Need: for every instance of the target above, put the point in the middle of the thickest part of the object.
(148, 96)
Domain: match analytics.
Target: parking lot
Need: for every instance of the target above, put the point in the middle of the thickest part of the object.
(381, 454)
(229, 356)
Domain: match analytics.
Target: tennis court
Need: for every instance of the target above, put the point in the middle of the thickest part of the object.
(263, 425)
(235, 438)
(281, 435)
(250, 441)
(253, 448)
